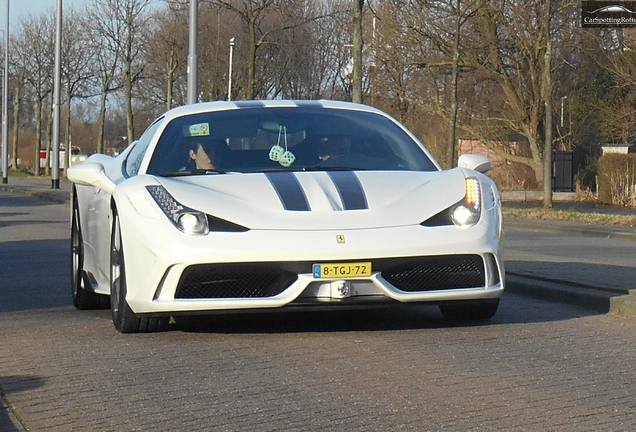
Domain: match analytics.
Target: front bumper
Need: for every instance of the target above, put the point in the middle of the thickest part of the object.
(169, 272)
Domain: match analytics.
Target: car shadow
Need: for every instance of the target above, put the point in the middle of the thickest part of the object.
(310, 321)
(513, 309)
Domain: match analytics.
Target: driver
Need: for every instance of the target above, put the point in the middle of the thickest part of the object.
(202, 155)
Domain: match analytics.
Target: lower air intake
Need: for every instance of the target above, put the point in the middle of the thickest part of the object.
(212, 281)
(437, 273)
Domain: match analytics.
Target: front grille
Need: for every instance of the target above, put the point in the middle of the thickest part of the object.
(233, 281)
(263, 280)
(437, 273)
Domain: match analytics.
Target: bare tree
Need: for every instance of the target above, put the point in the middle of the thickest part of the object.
(16, 87)
(619, 109)
(122, 25)
(16, 81)
(510, 52)
(443, 15)
(76, 70)
(105, 73)
(34, 51)
(263, 19)
(167, 53)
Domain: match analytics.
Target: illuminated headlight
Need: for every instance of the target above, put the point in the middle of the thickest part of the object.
(464, 213)
(467, 211)
(193, 223)
(189, 221)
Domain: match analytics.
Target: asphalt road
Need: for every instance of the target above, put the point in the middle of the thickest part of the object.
(536, 365)
(597, 261)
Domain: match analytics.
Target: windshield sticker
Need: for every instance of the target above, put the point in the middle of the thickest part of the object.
(200, 129)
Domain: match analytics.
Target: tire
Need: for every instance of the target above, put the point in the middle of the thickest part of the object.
(477, 311)
(124, 319)
(83, 297)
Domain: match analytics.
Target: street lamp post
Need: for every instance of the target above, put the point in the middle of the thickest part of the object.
(55, 175)
(5, 97)
(229, 75)
(193, 61)
(562, 99)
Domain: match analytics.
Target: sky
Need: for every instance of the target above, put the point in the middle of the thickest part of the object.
(19, 8)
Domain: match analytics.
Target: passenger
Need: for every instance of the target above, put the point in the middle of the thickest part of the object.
(333, 146)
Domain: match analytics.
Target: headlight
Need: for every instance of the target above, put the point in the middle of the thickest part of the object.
(463, 214)
(187, 220)
(193, 223)
(467, 211)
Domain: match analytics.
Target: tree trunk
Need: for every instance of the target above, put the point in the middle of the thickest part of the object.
(130, 129)
(356, 79)
(49, 135)
(38, 138)
(101, 121)
(452, 118)
(547, 97)
(16, 120)
(170, 67)
(67, 126)
(251, 60)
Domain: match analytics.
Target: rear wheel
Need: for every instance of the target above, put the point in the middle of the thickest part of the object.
(477, 311)
(124, 319)
(83, 297)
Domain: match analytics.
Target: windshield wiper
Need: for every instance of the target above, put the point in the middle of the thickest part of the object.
(302, 168)
(327, 168)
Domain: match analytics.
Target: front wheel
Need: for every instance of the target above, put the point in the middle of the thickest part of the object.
(473, 311)
(124, 319)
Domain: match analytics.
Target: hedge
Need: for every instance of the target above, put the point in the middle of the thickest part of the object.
(617, 179)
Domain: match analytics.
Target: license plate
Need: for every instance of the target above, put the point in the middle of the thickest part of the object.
(342, 270)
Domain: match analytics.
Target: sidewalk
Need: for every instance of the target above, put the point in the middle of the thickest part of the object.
(40, 187)
(591, 291)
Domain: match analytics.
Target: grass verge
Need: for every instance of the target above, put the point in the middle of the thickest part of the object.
(570, 215)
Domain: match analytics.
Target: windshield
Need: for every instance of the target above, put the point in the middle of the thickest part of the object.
(273, 139)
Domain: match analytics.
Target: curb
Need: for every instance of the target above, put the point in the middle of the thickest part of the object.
(8, 419)
(560, 292)
(594, 299)
(624, 306)
(628, 233)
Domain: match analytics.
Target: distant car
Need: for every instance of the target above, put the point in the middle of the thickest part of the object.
(281, 204)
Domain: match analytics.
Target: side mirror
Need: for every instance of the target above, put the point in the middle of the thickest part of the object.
(475, 162)
(91, 174)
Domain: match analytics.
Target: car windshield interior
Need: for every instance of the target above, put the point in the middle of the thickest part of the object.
(276, 139)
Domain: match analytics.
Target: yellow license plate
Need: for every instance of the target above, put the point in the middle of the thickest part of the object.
(342, 270)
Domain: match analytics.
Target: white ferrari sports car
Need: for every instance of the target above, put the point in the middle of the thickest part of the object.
(257, 205)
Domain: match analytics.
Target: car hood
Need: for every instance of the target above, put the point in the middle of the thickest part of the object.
(320, 200)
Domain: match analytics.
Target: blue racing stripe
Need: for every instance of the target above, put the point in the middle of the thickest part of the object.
(350, 190)
(289, 191)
